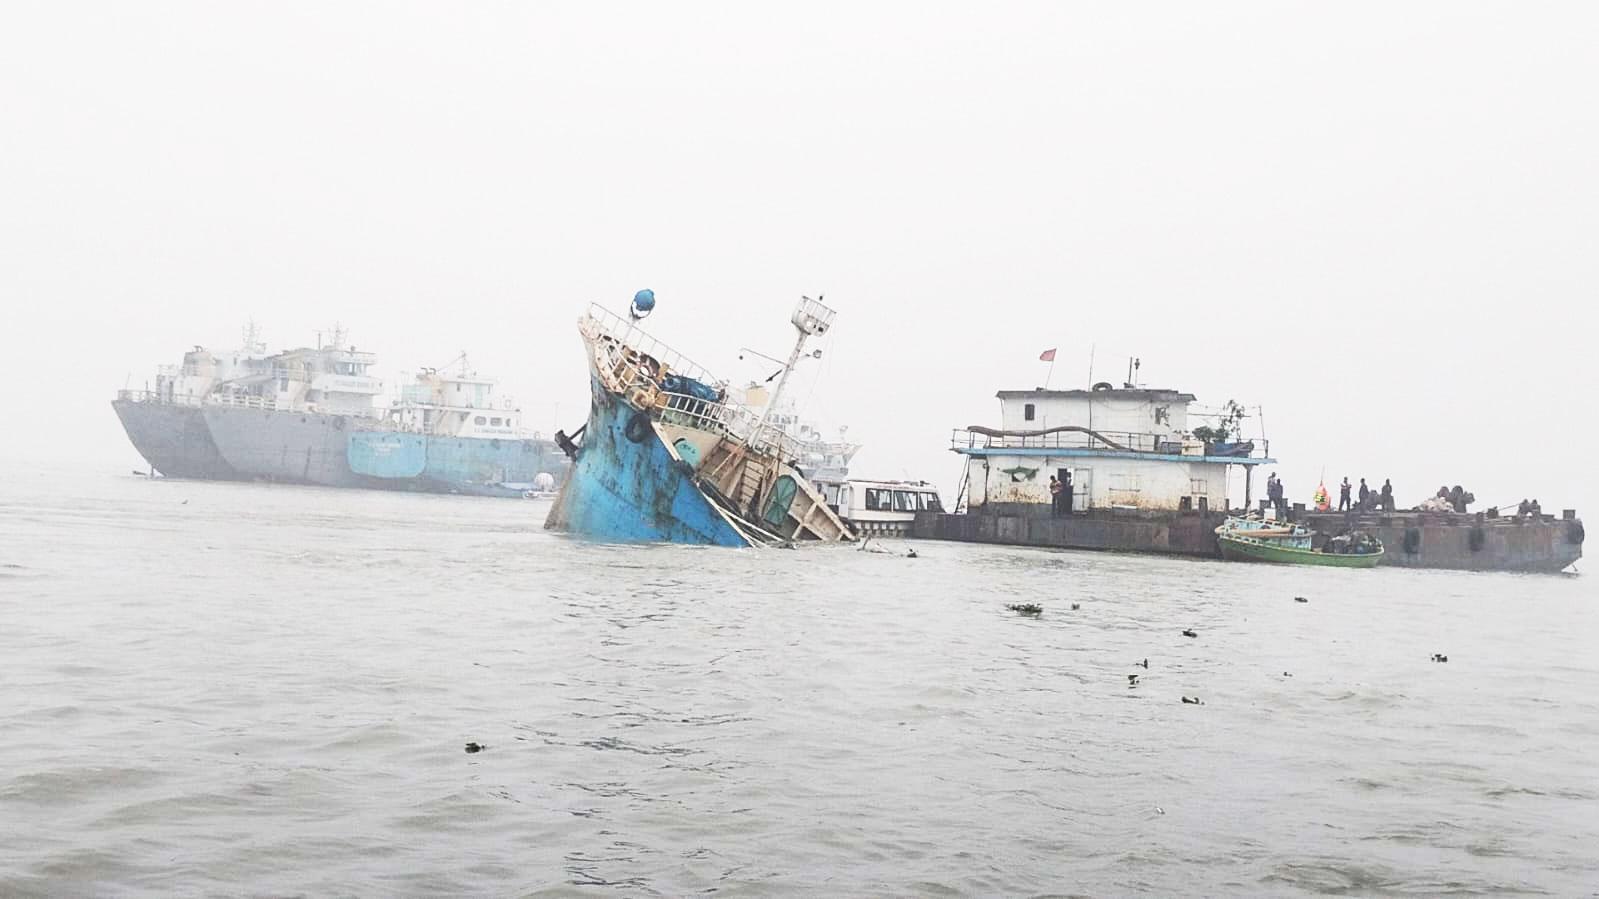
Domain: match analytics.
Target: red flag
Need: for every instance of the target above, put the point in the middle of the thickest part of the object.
(1047, 355)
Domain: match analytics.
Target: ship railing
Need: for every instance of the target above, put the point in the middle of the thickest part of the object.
(638, 364)
(740, 423)
(265, 403)
(625, 333)
(157, 396)
(1105, 441)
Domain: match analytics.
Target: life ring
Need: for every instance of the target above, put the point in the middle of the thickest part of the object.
(1574, 532)
(1477, 539)
(338, 422)
(638, 427)
(1412, 540)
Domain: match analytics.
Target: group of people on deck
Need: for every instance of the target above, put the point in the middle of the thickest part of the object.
(1370, 500)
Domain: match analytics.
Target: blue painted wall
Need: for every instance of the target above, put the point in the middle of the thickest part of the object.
(477, 460)
(465, 464)
(379, 454)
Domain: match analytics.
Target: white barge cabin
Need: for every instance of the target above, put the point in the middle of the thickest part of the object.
(1110, 448)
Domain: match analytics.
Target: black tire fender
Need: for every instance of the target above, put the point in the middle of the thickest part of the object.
(637, 428)
(1412, 540)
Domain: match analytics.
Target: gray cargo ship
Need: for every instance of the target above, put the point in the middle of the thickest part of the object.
(310, 416)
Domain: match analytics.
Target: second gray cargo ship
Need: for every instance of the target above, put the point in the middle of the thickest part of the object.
(309, 416)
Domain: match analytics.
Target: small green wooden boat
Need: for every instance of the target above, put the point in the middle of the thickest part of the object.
(1246, 540)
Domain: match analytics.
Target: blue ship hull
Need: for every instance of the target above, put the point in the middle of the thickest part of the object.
(626, 491)
(477, 465)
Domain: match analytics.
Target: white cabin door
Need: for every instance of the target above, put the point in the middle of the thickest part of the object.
(1082, 484)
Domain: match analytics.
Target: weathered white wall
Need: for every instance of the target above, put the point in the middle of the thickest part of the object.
(1139, 483)
(1104, 414)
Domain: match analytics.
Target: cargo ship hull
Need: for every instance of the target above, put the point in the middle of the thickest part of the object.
(174, 439)
(219, 442)
(478, 466)
(287, 447)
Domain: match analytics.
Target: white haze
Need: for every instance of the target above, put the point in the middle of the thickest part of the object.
(1377, 221)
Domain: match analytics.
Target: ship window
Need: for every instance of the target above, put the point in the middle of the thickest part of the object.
(930, 502)
(495, 421)
(904, 501)
(875, 499)
(479, 420)
(1028, 411)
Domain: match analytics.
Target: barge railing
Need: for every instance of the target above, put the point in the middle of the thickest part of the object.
(1078, 438)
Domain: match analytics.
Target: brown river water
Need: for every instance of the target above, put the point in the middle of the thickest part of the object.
(236, 689)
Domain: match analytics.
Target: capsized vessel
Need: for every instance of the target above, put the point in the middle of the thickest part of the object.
(668, 456)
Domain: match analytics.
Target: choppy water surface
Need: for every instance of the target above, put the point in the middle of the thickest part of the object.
(222, 688)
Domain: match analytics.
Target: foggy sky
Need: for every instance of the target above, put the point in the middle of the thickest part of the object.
(1376, 221)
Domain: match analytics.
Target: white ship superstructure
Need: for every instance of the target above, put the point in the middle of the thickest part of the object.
(462, 404)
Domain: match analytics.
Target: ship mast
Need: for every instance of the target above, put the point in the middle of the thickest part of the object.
(811, 319)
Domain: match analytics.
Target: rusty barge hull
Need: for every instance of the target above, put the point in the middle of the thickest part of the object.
(1462, 542)
(1412, 540)
(1162, 533)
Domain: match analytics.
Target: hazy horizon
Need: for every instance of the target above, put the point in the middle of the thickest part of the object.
(1375, 225)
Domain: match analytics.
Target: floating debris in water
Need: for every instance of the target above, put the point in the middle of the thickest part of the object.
(475, 747)
(1286, 674)
(1076, 606)
(1190, 633)
(1193, 701)
(1026, 608)
(1300, 599)
(1436, 657)
(1132, 679)
(910, 554)
(1144, 664)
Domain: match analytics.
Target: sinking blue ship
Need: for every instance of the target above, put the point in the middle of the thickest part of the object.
(666, 456)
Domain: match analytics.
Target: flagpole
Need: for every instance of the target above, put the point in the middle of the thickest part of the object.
(1050, 373)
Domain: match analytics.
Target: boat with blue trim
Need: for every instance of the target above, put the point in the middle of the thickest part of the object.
(667, 455)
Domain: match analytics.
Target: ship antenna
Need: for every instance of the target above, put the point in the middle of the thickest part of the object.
(252, 336)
